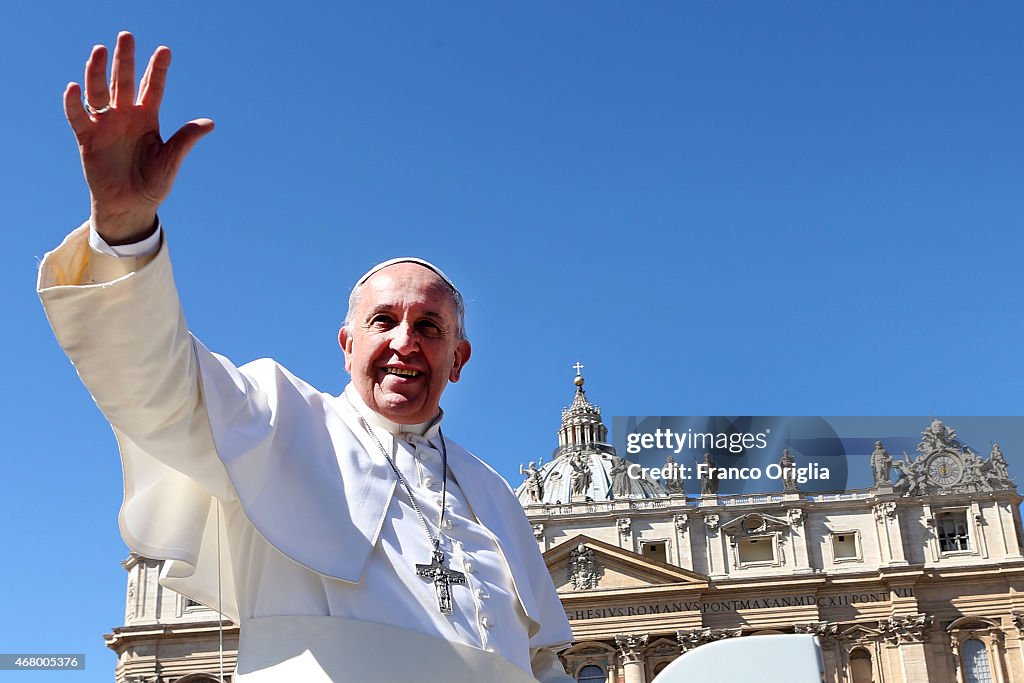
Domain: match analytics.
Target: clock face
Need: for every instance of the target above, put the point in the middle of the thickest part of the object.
(945, 470)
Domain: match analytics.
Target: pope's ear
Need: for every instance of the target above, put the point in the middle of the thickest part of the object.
(462, 353)
(345, 342)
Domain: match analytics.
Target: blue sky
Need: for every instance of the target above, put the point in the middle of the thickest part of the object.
(720, 208)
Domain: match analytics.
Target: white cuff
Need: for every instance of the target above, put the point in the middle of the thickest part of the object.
(145, 247)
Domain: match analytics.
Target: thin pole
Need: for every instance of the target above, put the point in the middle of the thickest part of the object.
(220, 603)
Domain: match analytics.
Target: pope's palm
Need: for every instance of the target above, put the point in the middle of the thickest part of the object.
(128, 166)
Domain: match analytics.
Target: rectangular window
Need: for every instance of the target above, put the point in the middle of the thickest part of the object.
(757, 550)
(953, 531)
(655, 550)
(844, 545)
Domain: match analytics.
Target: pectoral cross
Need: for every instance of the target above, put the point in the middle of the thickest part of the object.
(443, 579)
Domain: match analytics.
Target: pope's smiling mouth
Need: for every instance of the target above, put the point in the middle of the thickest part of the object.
(402, 372)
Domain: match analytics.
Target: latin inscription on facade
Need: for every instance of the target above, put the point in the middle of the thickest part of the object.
(722, 606)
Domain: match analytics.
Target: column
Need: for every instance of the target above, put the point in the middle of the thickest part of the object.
(832, 663)
(958, 668)
(631, 652)
(799, 541)
(1007, 530)
(538, 533)
(889, 662)
(1018, 621)
(625, 526)
(996, 649)
(977, 519)
(888, 525)
(909, 633)
(717, 565)
(683, 558)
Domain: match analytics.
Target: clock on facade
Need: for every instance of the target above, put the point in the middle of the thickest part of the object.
(945, 469)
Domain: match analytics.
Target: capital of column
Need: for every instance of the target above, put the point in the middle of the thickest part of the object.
(912, 628)
(1018, 621)
(689, 639)
(631, 647)
(826, 631)
(885, 511)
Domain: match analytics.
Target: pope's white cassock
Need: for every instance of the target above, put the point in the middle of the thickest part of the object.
(252, 470)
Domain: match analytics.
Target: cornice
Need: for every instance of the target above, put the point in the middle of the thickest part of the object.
(864, 498)
(125, 636)
(768, 582)
(937, 573)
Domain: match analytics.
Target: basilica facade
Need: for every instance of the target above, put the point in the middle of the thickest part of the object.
(917, 578)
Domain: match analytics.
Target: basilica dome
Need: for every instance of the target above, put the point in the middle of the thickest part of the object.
(584, 467)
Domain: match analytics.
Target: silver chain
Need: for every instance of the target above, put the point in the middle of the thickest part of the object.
(434, 542)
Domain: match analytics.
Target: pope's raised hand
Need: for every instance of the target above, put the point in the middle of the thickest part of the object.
(127, 164)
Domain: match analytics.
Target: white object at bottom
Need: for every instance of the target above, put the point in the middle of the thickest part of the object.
(333, 650)
(762, 659)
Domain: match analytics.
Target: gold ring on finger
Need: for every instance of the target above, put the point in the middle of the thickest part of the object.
(96, 111)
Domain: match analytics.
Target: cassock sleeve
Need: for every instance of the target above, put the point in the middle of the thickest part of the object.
(120, 323)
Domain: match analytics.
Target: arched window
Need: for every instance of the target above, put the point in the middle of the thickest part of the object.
(975, 659)
(591, 673)
(860, 666)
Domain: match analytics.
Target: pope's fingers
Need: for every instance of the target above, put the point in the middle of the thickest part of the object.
(97, 95)
(74, 110)
(122, 71)
(185, 139)
(151, 89)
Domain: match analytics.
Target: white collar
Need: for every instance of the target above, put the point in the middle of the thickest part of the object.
(426, 429)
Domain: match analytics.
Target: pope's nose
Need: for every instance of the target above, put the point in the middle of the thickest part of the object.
(404, 339)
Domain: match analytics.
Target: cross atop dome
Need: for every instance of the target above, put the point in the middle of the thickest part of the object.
(578, 381)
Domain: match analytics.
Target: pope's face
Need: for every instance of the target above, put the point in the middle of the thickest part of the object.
(402, 347)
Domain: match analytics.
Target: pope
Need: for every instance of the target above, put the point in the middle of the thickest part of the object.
(336, 530)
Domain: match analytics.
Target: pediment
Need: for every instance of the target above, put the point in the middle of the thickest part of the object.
(589, 649)
(860, 632)
(662, 647)
(754, 523)
(582, 563)
(972, 623)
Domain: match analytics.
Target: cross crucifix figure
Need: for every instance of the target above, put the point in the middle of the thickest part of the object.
(443, 579)
(579, 367)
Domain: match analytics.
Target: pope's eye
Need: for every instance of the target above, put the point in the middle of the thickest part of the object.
(382, 320)
(429, 327)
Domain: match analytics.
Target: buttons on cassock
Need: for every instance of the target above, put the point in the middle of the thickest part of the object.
(428, 456)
